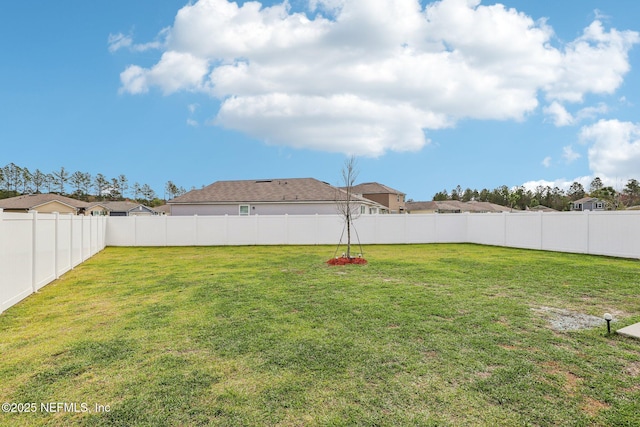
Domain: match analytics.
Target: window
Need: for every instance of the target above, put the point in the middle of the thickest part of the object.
(362, 209)
(244, 210)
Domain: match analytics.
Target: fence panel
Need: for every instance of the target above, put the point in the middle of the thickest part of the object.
(64, 244)
(420, 229)
(16, 248)
(211, 231)
(604, 233)
(522, 230)
(35, 249)
(614, 233)
(565, 232)
(45, 250)
(486, 229)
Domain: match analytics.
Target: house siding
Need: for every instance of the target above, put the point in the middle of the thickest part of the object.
(388, 200)
(55, 207)
(298, 208)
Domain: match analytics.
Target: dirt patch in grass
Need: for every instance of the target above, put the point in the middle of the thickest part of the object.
(592, 406)
(633, 369)
(567, 320)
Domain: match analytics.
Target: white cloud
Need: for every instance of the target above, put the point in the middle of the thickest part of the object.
(562, 117)
(591, 112)
(614, 149)
(192, 123)
(559, 114)
(118, 41)
(561, 183)
(594, 63)
(569, 155)
(546, 162)
(368, 77)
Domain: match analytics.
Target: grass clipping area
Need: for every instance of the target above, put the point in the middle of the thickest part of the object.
(239, 336)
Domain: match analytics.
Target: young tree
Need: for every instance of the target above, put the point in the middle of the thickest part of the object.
(344, 198)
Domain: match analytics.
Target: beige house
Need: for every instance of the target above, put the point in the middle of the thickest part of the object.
(293, 196)
(43, 203)
(386, 196)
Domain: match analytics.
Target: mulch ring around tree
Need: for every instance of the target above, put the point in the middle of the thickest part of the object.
(346, 260)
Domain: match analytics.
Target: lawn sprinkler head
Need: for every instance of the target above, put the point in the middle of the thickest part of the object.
(608, 317)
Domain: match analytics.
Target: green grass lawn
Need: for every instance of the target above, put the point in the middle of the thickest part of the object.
(240, 336)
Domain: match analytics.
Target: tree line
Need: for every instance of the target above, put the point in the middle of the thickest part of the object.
(555, 198)
(16, 180)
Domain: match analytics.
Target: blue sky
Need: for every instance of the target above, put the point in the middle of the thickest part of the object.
(427, 95)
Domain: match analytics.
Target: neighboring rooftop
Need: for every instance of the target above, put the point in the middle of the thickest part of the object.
(374, 188)
(261, 190)
(455, 206)
(31, 201)
(122, 206)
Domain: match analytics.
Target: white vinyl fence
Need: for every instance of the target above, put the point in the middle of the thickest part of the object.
(36, 249)
(603, 233)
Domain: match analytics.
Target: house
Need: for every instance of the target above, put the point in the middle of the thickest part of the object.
(454, 206)
(162, 210)
(294, 196)
(587, 204)
(43, 203)
(386, 196)
(124, 208)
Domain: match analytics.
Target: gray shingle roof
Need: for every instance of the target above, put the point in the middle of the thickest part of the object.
(374, 188)
(123, 206)
(456, 205)
(263, 190)
(30, 201)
